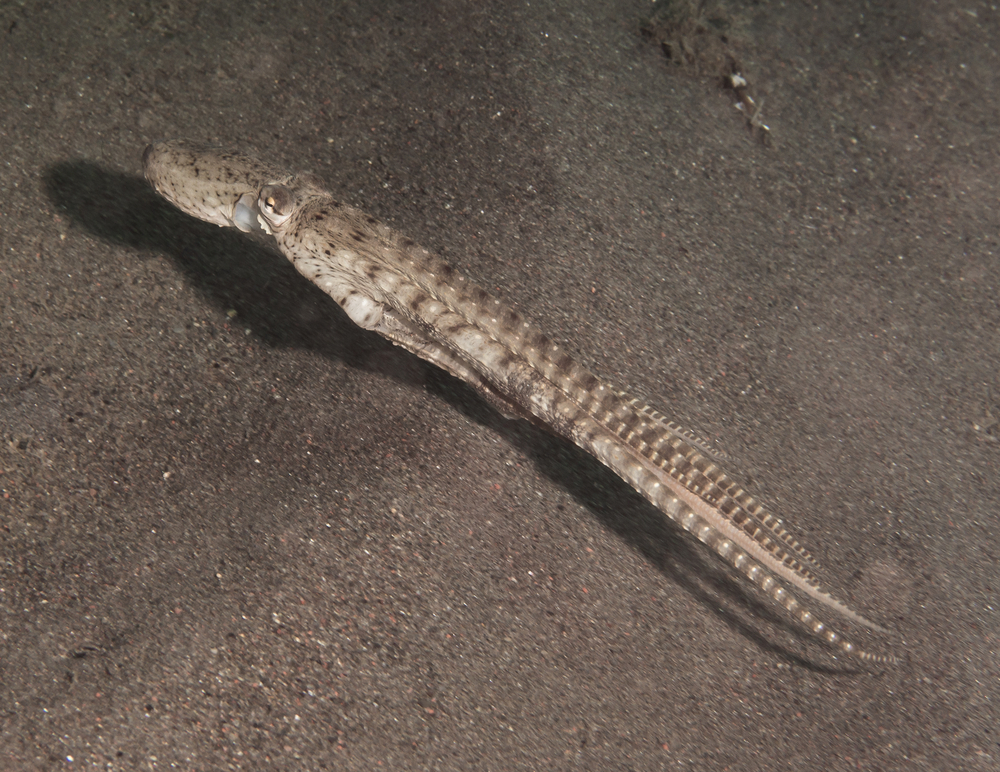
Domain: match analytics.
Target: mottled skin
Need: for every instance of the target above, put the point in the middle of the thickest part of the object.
(388, 284)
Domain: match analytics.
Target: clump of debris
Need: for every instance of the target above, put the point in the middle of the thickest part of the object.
(695, 35)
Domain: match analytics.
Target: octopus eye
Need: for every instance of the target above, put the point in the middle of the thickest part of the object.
(277, 203)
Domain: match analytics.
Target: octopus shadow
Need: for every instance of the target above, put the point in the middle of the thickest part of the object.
(688, 564)
(283, 310)
(231, 270)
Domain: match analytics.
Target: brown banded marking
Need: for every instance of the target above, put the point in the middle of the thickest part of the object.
(751, 512)
(672, 453)
(420, 302)
(567, 374)
(491, 344)
(704, 480)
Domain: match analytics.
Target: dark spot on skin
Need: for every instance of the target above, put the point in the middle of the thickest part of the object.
(650, 436)
(630, 422)
(372, 221)
(608, 403)
(360, 237)
(318, 215)
(712, 492)
(407, 242)
(541, 340)
(417, 301)
(481, 294)
(327, 252)
(589, 382)
(446, 270)
(565, 363)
